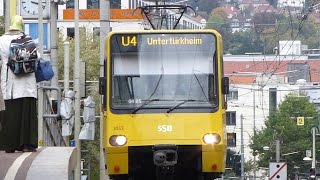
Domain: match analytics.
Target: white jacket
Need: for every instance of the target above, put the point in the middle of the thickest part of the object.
(14, 87)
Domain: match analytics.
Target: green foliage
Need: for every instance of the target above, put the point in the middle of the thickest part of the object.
(90, 54)
(263, 20)
(289, 28)
(268, 30)
(244, 42)
(2, 25)
(204, 5)
(218, 21)
(282, 125)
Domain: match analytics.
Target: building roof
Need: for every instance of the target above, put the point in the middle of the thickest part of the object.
(228, 9)
(265, 9)
(244, 72)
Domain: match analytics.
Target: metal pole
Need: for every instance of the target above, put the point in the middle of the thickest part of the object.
(277, 150)
(40, 28)
(66, 66)
(53, 45)
(7, 15)
(254, 131)
(40, 94)
(242, 149)
(77, 89)
(104, 30)
(313, 164)
(40, 117)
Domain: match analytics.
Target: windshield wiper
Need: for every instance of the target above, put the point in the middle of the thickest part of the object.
(176, 106)
(142, 105)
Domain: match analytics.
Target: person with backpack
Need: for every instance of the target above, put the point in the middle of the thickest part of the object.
(19, 124)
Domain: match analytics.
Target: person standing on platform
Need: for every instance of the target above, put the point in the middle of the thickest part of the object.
(19, 123)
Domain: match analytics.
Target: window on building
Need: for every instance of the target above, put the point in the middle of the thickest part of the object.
(233, 94)
(231, 139)
(70, 31)
(231, 118)
(70, 4)
(92, 4)
(115, 4)
(184, 24)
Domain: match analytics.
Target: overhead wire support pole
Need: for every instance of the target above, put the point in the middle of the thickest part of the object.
(314, 132)
(254, 131)
(104, 30)
(76, 87)
(41, 93)
(7, 15)
(40, 28)
(242, 149)
(278, 153)
(53, 45)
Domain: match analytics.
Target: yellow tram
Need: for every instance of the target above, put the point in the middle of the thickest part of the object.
(164, 115)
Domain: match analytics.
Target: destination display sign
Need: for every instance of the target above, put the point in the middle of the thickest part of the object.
(132, 42)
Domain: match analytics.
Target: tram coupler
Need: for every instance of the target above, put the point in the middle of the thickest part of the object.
(165, 156)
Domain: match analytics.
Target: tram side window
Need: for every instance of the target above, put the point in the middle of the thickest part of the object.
(231, 139)
(231, 118)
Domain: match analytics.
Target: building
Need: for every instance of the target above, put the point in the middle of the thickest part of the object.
(258, 84)
(121, 17)
(291, 3)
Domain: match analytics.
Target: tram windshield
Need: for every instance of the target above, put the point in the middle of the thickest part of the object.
(159, 71)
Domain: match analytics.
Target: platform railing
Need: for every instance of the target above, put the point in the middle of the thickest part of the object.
(49, 125)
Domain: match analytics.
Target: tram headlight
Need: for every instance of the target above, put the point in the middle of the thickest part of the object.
(211, 138)
(118, 140)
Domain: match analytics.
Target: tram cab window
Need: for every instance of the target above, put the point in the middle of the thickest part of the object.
(170, 74)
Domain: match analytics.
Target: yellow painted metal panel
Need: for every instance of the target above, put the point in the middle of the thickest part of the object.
(120, 160)
(210, 159)
(171, 128)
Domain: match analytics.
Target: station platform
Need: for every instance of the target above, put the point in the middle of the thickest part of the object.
(48, 163)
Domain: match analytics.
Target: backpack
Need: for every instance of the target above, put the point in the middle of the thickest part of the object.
(22, 55)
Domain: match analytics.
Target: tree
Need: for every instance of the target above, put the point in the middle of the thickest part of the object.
(282, 125)
(89, 53)
(2, 25)
(233, 162)
(263, 20)
(289, 28)
(244, 42)
(218, 20)
(204, 5)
